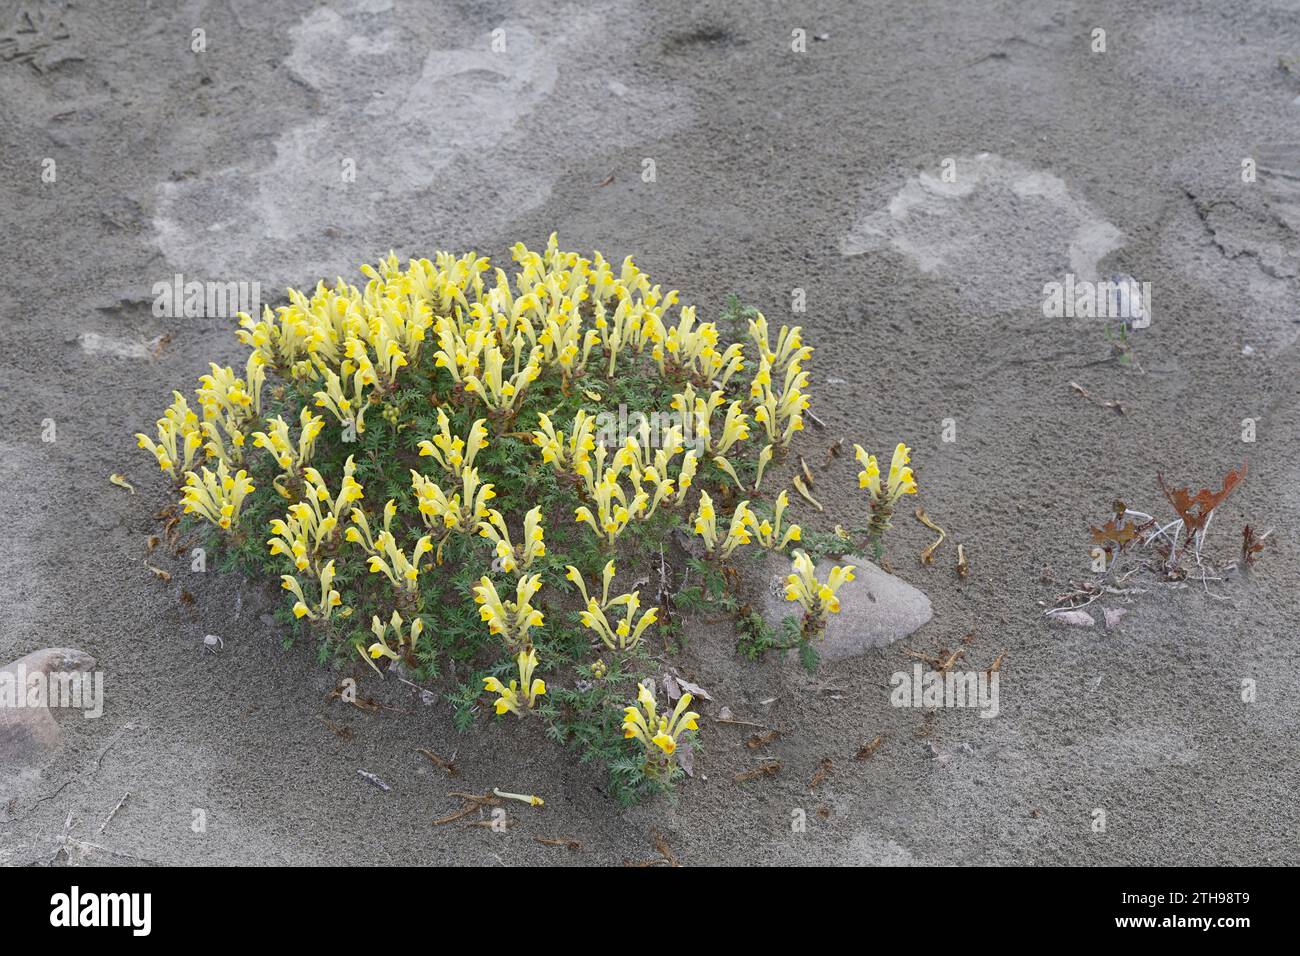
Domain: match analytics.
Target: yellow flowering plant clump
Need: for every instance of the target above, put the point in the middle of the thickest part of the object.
(230, 405)
(626, 633)
(179, 437)
(883, 496)
(393, 639)
(789, 348)
(769, 533)
(311, 524)
(658, 734)
(523, 694)
(460, 512)
(472, 402)
(291, 456)
(456, 455)
(566, 454)
(706, 526)
(217, 496)
(614, 509)
(510, 558)
(817, 598)
(345, 395)
(780, 411)
(329, 597)
(511, 620)
(391, 561)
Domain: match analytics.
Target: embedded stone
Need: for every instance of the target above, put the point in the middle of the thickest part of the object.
(876, 608)
(29, 734)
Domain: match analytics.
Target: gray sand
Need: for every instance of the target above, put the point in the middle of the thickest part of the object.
(774, 170)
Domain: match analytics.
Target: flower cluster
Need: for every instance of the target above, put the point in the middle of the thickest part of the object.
(626, 633)
(217, 496)
(471, 360)
(512, 620)
(455, 455)
(566, 453)
(311, 523)
(769, 533)
(400, 644)
(658, 734)
(522, 694)
(291, 456)
(179, 437)
(510, 558)
(706, 526)
(884, 496)
(817, 599)
(329, 598)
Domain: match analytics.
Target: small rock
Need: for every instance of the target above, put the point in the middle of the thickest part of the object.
(29, 734)
(1071, 617)
(876, 608)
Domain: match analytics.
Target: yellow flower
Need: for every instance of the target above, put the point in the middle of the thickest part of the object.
(217, 497)
(769, 532)
(522, 693)
(453, 453)
(178, 424)
(627, 632)
(817, 599)
(900, 481)
(512, 620)
(382, 648)
(705, 525)
(658, 733)
(329, 597)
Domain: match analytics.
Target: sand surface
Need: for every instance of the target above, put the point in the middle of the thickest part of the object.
(775, 170)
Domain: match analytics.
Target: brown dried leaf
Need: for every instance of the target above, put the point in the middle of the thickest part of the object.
(438, 762)
(824, 769)
(869, 748)
(1250, 546)
(571, 844)
(1113, 536)
(664, 849)
(768, 768)
(1204, 501)
(685, 755)
(928, 554)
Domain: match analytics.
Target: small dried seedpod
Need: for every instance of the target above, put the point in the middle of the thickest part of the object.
(804, 493)
(807, 473)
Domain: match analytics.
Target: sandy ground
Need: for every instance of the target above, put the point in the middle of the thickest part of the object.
(774, 170)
